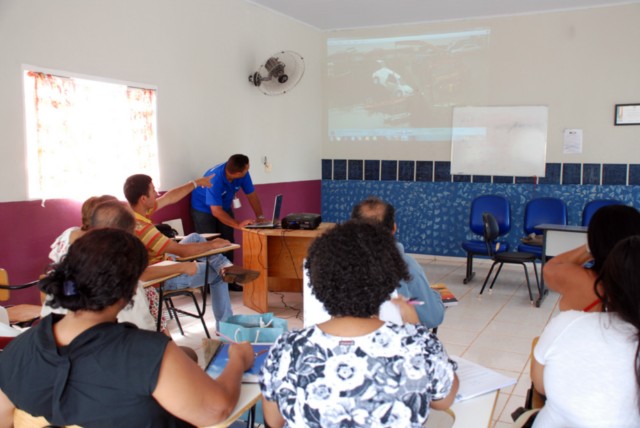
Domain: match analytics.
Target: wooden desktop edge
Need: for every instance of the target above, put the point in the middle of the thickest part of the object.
(209, 253)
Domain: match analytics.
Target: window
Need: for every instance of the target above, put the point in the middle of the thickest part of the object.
(85, 137)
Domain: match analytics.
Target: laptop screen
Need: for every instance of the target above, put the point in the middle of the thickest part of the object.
(276, 208)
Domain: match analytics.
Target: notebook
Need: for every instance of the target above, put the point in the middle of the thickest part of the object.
(275, 222)
(221, 358)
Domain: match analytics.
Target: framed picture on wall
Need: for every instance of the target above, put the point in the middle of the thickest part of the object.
(627, 114)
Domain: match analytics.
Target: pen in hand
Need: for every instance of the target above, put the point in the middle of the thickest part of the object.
(227, 338)
(415, 302)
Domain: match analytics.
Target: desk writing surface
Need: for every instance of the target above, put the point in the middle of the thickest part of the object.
(475, 412)
(155, 281)
(277, 254)
(209, 253)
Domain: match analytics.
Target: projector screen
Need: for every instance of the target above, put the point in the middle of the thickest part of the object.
(403, 88)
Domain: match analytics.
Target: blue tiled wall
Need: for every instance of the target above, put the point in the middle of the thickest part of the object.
(433, 214)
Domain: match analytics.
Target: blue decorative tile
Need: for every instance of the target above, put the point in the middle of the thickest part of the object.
(372, 170)
(459, 178)
(571, 173)
(327, 172)
(614, 173)
(634, 175)
(389, 170)
(339, 169)
(525, 180)
(591, 173)
(482, 179)
(406, 171)
(551, 174)
(355, 169)
(442, 171)
(428, 221)
(424, 171)
(502, 179)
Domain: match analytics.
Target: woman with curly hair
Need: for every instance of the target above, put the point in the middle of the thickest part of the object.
(356, 370)
(85, 368)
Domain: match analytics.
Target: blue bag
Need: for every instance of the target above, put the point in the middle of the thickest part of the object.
(259, 328)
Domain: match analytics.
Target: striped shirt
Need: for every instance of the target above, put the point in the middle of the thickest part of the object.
(155, 242)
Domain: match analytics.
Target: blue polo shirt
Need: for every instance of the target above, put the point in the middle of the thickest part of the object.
(221, 192)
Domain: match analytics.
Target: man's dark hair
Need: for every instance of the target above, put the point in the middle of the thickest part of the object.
(237, 163)
(101, 267)
(376, 210)
(354, 267)
(136, 187)
(113, 214)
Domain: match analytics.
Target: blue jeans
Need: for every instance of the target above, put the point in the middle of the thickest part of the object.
(220, 301)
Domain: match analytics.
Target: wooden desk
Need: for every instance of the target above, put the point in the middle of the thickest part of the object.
(277, 254)
(249, 396)
(557, 239)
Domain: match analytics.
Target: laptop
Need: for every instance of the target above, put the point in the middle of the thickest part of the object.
(275, 222)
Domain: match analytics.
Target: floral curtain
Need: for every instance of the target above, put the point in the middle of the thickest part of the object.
(85, 137)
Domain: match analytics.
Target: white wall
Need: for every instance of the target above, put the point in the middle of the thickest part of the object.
(198, 53)
(578, 63)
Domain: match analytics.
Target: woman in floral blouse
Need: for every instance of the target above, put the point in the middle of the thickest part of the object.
(356, 370)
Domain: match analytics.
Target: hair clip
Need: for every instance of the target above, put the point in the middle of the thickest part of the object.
(69, 288)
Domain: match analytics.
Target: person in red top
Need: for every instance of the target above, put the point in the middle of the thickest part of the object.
(573, 273)
(144, 201)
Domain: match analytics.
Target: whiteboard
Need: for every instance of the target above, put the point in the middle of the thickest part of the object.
(499, 141)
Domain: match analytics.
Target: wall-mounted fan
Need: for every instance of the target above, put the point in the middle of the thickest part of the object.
(279, 74)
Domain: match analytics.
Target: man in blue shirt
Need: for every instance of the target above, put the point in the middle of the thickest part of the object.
(431, 312)
(212, 207)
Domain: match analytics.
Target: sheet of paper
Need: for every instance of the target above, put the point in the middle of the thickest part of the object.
(572, 141)
(476, 380)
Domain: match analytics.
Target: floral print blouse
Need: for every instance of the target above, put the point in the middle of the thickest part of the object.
(383, 379)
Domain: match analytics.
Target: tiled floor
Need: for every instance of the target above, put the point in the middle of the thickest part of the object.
(494, 330)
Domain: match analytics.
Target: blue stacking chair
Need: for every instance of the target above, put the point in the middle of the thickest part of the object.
(501, 210)
(542, 211)
(591, 207)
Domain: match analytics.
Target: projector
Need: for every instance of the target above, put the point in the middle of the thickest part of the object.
(304, 221)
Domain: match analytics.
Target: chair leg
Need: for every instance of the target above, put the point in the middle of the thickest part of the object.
(487, 278)
(470, 274)
(496, 277)
(172, 310)
(204, 299)
(526, 275)
(535, 270)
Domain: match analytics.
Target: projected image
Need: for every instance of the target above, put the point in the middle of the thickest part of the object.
(403, 88)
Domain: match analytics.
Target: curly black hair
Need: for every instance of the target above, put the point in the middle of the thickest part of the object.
(100, 268)
(354, 267)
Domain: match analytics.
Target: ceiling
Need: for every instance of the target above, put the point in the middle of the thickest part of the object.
(346, 14)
